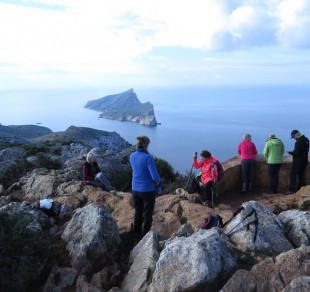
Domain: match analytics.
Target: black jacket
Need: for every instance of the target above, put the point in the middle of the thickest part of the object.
(301, 151)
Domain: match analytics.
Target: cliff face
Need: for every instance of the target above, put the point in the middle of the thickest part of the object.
(124, 107)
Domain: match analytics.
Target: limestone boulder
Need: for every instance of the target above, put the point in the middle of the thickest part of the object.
(261, 230)
(288, 270)
(297, 226)
(200, 261)
(142, 262)
(91, 238)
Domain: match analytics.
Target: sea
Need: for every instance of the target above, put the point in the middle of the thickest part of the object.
(192, 119)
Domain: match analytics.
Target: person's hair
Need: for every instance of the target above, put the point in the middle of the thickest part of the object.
(205, 154)
(143, 142)
(247, 137)
(89, 156)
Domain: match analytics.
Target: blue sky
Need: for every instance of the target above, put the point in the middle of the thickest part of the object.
(144, 43)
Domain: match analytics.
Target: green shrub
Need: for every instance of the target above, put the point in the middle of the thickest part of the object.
(14, 172)
(44, 161)
(22, 253)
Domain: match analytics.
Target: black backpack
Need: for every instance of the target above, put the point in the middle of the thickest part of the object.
(220, 170)
(217, 221)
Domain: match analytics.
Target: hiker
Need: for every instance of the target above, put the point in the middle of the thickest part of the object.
(247, 151)
(92, 174)
(145, 178)
(273, 153)
(300, 161)
(207, 176)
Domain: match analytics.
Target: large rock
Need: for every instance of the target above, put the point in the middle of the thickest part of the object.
(289, 269)
(92, 238)
(297, 226)
(202, 260)
(269, 230)
(232, 177)
(142, 262)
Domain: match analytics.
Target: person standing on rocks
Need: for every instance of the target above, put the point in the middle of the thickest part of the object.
(300, 161)
(145, 178)
(247, 151)
(273, 153)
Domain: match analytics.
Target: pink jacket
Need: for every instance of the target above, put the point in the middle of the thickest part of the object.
(206, 172)
(247, 150)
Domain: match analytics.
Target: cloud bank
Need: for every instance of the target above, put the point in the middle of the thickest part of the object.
(90, 41)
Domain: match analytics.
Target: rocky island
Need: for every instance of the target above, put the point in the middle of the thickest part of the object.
(124, 107)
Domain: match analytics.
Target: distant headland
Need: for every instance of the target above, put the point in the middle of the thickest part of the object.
(124, 107)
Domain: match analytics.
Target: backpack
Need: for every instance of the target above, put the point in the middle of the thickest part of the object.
(212, 221)
(220, 170)
(217, 221)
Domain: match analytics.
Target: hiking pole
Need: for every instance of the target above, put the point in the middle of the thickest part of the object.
(189, 177)
(250, 214)
(190, 173)
(234, 215)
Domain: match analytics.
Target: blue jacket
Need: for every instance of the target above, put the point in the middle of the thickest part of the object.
(144, 172)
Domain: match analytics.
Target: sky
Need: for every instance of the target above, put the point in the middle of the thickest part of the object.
(48, 44)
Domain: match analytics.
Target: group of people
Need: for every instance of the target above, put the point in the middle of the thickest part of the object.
(145, 176)
(273, 153)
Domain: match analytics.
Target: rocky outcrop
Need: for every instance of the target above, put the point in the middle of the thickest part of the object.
(92, 238)
(200, 261)
(95, 226)
(232, 177)
(289, 270)
(124, 107)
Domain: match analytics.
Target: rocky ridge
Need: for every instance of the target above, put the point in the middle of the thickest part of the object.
(95, 229)
(124, 107)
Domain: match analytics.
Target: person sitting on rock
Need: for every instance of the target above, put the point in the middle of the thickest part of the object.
(207, 177)
(92, 174)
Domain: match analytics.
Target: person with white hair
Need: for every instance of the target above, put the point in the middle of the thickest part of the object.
(92, 174)
(273, 153)
(247, 151)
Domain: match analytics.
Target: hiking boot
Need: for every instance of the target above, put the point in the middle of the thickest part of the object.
(250, 189)
(243, 190)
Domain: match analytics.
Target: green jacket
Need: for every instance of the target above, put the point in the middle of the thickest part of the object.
(273, 151)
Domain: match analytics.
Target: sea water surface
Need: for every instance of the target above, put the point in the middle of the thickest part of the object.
(192, 118)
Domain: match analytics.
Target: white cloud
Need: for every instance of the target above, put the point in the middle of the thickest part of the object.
(91, 39)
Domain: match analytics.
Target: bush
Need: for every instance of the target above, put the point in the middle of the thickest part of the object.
(45, 161)
(22, 253)
(14, 172)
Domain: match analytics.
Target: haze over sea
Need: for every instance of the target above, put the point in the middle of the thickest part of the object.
(192, 118)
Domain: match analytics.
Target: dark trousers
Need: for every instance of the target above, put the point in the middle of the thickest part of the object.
(273, 175)
(300, 171)
(248, 170)
(144, 203)
(207, 191)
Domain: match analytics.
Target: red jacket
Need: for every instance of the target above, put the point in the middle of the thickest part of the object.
(206, 171)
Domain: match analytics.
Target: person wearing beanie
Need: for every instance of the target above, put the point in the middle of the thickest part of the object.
(300, 161)
(247, 152)
(145, 178)
(273, 153)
